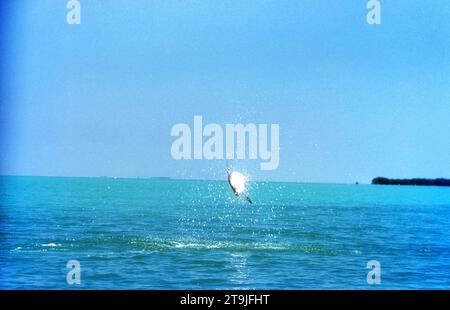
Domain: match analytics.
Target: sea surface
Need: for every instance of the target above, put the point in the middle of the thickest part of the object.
(180, 234)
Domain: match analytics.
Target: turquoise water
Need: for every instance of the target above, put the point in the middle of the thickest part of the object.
(174, 234)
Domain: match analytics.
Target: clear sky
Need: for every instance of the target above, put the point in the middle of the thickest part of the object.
(354, 101)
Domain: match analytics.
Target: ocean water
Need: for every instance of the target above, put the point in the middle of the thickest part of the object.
(179, 234)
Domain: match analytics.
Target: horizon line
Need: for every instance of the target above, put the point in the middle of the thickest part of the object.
(172, 178)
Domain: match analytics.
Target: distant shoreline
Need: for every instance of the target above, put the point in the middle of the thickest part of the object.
(376, 181)
(416, 182)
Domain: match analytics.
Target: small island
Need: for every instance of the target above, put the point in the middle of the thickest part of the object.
(416, 182)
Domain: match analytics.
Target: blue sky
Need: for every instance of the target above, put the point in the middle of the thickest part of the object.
(354, 101)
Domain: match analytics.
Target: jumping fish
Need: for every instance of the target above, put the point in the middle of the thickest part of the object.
(238, 183)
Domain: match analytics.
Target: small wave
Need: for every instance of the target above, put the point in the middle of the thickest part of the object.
(356, 252)
(50, 245)
(229, 245)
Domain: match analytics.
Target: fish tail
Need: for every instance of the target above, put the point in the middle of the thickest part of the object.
(247, 198)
